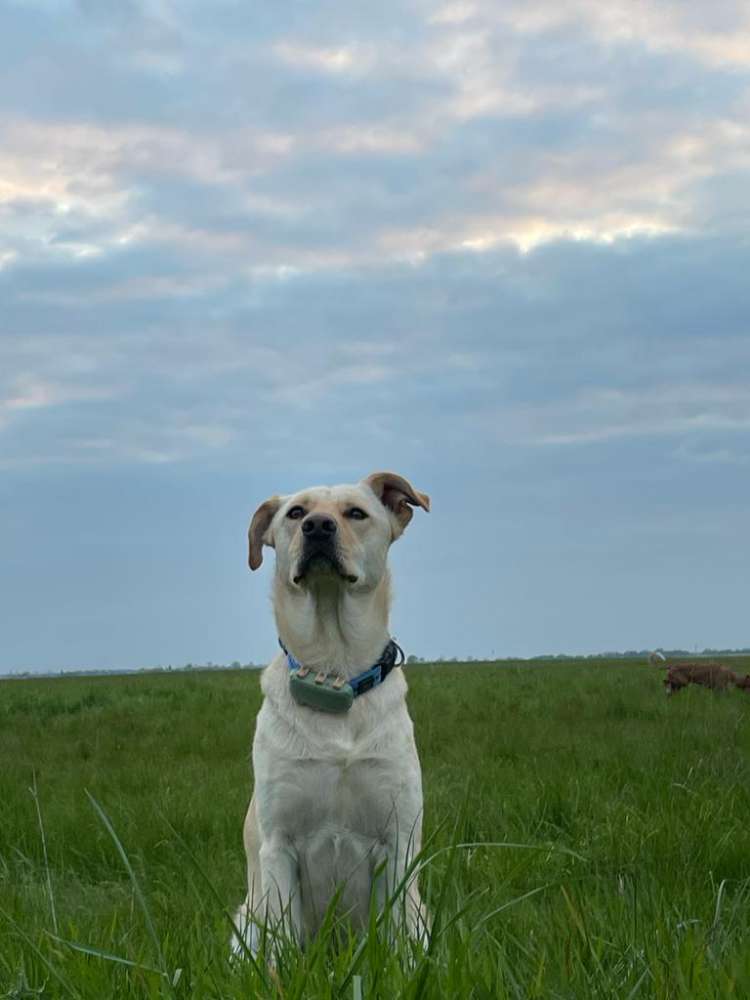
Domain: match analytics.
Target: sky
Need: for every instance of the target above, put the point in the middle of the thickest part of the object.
(500, 249)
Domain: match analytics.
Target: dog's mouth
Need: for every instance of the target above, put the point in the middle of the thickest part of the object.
(321, 562)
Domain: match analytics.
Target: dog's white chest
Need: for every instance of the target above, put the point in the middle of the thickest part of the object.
(346, 791)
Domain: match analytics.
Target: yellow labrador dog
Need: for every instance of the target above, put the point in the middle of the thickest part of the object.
(337, 805)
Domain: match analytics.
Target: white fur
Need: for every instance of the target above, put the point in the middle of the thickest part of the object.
(336, 796)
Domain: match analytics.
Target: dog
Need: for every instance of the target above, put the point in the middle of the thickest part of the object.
(336, 810)
(710, 675)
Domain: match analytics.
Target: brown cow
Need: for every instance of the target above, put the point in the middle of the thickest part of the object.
(710, 675)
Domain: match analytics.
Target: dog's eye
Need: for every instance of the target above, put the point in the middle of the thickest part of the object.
(296, 512)
(356, 514)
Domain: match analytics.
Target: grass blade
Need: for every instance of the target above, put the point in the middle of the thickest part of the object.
(67, 986)
(150, 927)
(50, 893)
(107, 956)
(196, 864)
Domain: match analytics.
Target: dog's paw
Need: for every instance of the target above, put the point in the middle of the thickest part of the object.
(246, 938)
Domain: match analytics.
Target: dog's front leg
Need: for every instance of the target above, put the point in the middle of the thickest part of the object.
(407, 909)
(416, 915)
(416, 919)
(279, 873)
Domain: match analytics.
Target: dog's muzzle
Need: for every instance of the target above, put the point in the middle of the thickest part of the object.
(320, 550)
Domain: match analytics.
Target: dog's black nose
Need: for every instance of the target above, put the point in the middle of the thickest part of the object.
(318, 527)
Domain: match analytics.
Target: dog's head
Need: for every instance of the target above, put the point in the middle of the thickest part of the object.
(338, 534)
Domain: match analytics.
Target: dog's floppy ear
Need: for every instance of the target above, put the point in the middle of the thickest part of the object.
(398, 495)
(257, 532)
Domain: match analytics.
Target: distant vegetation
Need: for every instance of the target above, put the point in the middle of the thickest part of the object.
(587, 838)
(643, 654)
(630, 654)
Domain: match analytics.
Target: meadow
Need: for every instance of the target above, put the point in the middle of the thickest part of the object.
(585, 837)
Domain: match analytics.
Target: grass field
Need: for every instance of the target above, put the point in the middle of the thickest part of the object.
(610, 831)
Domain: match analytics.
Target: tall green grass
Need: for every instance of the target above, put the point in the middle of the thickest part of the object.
(586, 837)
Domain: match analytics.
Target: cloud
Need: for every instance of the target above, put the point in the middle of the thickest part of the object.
(716, 36)
(525, 208)
(470, 127)
(600, 415)
(340, 60)
(555, 347)
(725, 450)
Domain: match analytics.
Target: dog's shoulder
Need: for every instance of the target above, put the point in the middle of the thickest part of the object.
(274, 680)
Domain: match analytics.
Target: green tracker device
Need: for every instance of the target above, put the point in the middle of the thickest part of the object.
(329, 692)
(325, 692)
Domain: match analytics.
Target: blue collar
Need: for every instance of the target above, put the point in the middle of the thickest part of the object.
(391, 657)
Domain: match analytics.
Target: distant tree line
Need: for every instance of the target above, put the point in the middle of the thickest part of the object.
(640, 654)
(628, 654)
